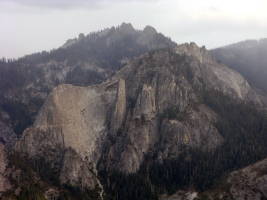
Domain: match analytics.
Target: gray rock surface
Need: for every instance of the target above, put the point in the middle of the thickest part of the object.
(71, 128)
(151, 107)
(217, 75)
(89, 59)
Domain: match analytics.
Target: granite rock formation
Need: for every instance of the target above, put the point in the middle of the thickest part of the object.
(152, 107)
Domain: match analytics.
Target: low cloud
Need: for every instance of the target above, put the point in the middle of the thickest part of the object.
(28, 26)
(58, 4)
(69, 4)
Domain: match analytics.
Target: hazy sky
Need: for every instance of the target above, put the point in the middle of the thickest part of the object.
(28, 26)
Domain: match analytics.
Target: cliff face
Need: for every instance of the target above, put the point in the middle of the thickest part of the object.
(217, 75)
(71, 127)
(151, 108)
(89, 59)
(163, 82)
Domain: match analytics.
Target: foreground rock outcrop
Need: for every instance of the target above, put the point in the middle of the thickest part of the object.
(246, 183)
(250, 182)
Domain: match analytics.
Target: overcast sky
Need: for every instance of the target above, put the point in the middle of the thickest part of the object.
(28, 26)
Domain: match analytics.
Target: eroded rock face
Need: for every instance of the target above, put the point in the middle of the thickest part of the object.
(141, 134)
(217, 75)
(162, 82)
(191, 49)
(120, 108)
(71, 129)
(77, 172)
(151, 107)
(75, 116)
(89, 59)
(196, 131)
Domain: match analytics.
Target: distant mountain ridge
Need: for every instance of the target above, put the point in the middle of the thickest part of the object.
(249, 58)
(107, 48)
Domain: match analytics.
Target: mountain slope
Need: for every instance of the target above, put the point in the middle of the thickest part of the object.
(247, 183)
(169, 119)
(26, 82)
(247, 57)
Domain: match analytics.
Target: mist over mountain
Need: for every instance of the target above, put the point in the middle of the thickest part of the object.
(126, 114)
(248, 58)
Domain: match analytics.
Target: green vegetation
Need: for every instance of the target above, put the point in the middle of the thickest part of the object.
(173, 113)
(26, 180)
(75, 193)
(19, 115)
(37, 175)
(132, 186)
(244, 129)
(31, 192)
